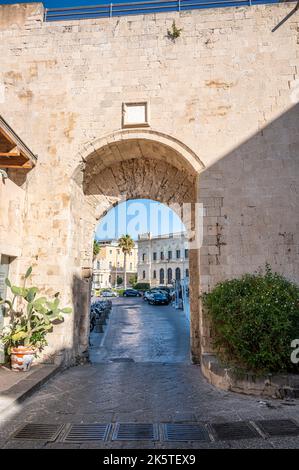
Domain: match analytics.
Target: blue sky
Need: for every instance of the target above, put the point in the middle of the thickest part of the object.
(138, 216)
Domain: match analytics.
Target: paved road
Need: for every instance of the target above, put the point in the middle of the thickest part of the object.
(148, 390)
(141, 332)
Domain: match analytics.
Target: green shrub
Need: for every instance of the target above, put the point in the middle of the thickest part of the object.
(142, 286)
(254, 320)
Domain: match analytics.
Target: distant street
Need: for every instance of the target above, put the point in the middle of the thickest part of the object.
(141, 332)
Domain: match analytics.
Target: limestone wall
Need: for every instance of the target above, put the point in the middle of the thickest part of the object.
(227, 89)
(12, 199)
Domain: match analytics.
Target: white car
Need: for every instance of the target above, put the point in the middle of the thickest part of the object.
(109, 293)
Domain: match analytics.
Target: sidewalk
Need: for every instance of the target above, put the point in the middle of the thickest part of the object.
(16, 386)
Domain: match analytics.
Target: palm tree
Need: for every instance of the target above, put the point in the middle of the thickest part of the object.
(126, 243)
(96, 248)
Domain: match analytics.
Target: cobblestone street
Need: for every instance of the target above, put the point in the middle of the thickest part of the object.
(141, 374)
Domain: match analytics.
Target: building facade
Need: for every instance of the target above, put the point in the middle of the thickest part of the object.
(162, 260)
(108, 265)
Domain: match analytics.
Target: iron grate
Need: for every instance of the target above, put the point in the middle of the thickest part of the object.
(121, 359)
(278, 427)
(44, 432)
(87, 432)
(135, 432)
(185, 432)
(234, 430)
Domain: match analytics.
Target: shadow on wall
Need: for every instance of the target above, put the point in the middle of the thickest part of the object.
(251, 199)
(252, 202)
(81, 292)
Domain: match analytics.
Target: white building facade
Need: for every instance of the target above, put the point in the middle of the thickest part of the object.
(108, 266)
(162, 259)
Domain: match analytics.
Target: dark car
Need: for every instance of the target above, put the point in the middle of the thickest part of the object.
(131, 293)
(166, 291)
(158, 298)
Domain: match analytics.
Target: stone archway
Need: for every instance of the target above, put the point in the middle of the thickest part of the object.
(130, 164)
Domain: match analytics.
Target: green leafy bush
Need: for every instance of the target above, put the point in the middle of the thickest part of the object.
(142, 286)
(120, 292)
(254, 320)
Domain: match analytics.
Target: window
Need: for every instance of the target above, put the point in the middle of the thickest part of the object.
(170, 255)
(155, 256)
(155, 275)
(169, 275)
(178, 254)
(186, 253)
(110, 252)
(143, 256)
(118, 264)
(162, 255)
(161, 276)
(98, 265)
(131, 266)
(177, 274)
(118, 252)
(143, 274)
(110, 264)
(187, 272)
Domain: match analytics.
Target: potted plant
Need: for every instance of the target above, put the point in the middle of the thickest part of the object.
(31, 318)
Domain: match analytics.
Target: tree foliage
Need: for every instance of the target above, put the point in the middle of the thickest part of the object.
(96, 248)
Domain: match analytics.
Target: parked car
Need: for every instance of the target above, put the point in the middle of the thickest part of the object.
(131, 293)
(109, 293)
(166, 291)
(158, 298)
(146, 295)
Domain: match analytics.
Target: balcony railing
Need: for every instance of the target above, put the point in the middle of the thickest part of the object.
(140, 8)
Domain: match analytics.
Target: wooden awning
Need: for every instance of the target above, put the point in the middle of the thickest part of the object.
(13, 152)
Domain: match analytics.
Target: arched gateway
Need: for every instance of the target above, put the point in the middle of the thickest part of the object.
(125, 165)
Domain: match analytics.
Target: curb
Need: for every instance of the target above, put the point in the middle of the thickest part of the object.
(26, 387)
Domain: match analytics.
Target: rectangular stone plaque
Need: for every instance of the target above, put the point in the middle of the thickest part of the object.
(135, 115)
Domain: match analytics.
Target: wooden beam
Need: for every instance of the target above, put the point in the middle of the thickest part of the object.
(6, 136)
(9, 154)
(14, 146)
(15, 162)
